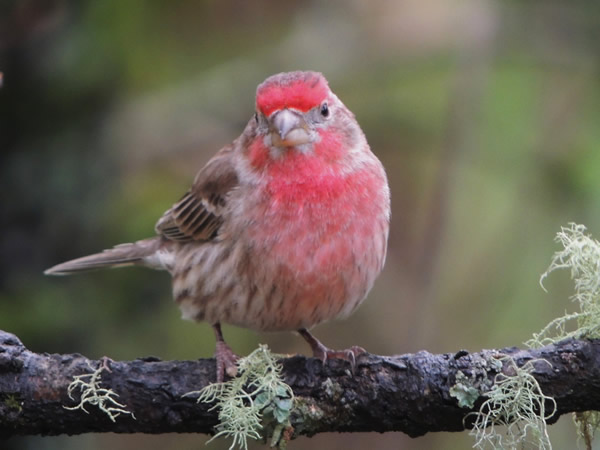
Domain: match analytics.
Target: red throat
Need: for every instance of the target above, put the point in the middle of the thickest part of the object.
(293, 164)
(299, 90)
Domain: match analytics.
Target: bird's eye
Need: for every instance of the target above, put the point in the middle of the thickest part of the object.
(324, 109)
(256, 117)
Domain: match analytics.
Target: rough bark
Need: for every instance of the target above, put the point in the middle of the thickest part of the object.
(409, 393)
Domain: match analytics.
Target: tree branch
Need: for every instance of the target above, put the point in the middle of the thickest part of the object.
(409, 393)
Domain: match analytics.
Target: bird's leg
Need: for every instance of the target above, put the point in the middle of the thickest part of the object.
(322, 352)
(226, 359)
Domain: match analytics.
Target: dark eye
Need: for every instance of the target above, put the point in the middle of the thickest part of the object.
(324, 109)
(256, 117)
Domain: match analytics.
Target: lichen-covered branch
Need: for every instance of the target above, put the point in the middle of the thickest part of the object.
(414, 393)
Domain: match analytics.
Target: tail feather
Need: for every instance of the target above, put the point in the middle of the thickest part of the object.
(118, 256)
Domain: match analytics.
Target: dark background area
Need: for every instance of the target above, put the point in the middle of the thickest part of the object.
(486, 115)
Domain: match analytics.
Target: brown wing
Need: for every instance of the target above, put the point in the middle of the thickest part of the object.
(199, 214)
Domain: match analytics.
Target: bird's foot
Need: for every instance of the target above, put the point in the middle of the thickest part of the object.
(324, 353)
(226, 361)
(349, 354)
(105, 363)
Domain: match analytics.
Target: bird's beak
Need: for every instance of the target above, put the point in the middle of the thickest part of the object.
(288, 129)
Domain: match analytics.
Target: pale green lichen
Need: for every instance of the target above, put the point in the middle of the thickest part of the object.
(333, 390)
(308, 415)
(464, 391)
(467, 387)
(586, 424)
(581, 255)
(514, 413)
(255, 400)
(93, 394)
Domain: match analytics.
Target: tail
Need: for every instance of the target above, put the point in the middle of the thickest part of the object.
(140, 252)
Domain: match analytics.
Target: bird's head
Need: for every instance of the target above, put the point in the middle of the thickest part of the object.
(292, 107)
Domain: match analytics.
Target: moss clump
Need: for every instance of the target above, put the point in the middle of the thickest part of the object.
(516, 403)
(13, 402)
(255, 400)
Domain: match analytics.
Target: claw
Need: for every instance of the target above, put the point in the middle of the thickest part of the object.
(105, 362)
(323, 353)
(226, 359)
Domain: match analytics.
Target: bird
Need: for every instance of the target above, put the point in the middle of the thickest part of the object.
(283, 229)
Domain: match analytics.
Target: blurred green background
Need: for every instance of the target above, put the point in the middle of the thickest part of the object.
(486, 115)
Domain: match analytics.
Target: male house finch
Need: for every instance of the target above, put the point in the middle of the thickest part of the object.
(281, 230)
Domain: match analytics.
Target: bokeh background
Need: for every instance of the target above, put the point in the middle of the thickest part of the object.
(486, 115)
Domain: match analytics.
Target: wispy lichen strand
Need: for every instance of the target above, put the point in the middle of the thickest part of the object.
(256, 398)
(581, 255)
(514, 413)
(92, 394)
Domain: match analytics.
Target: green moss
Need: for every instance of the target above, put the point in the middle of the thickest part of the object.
(308, 416)
(12, 401)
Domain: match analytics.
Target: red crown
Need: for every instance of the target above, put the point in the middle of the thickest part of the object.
(298, 90)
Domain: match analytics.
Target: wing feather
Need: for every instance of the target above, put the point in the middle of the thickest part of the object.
(198, 216)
